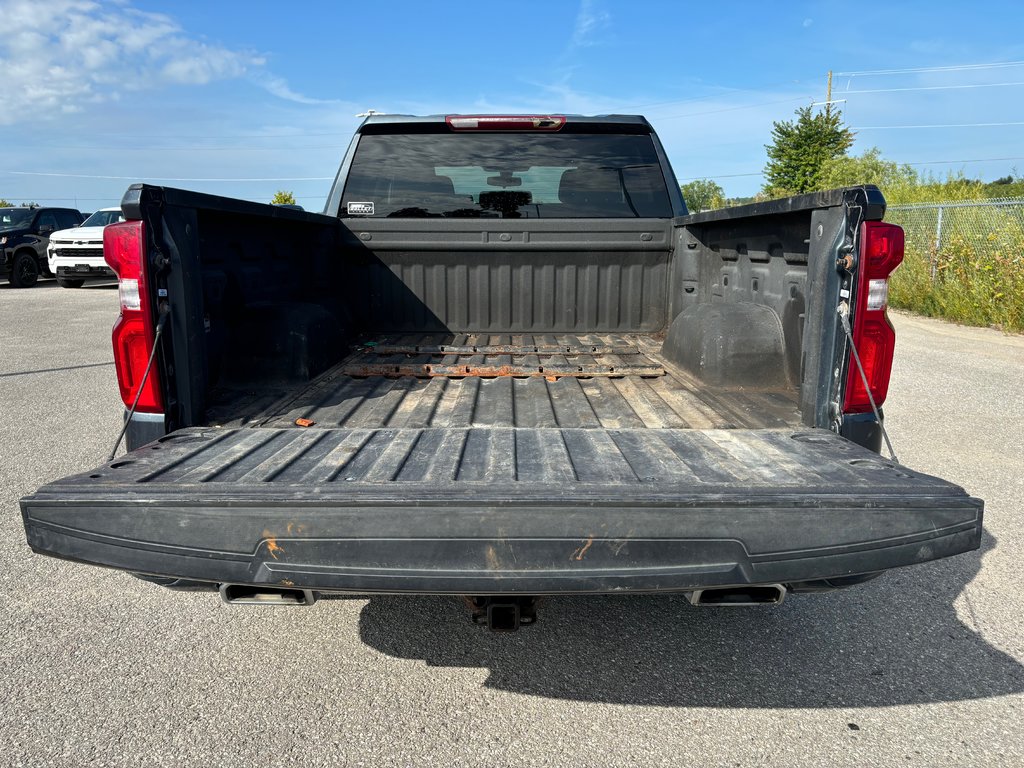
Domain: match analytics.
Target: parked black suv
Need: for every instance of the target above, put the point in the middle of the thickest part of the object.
(24, 235)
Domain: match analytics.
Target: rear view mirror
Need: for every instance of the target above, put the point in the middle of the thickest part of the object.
(504, 179)
(45, 229)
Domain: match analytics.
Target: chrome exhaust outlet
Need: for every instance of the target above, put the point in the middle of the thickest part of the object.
(754, 594)
(248, 594)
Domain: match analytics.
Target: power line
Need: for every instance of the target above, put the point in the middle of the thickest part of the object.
(190, 137)
(341, 147)
(347, 134)
(258, 137)
(980, 160)
(175, 149)
(334, 147)
(163, 178)
(936, 88)
(730, 90)
(12, 195)
(919, 162)
(717, 176)
(916, 70)
(936, 125)
(733, 109)
(111, 200)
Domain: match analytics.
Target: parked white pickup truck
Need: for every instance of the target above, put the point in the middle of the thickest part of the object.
(74, 255)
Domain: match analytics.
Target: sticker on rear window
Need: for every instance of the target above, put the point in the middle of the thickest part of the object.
(360, 209)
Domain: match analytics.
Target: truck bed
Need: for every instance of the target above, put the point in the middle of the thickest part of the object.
(504, 464)
(310, 445)
(565, 381)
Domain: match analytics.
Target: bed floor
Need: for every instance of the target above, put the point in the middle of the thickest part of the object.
(600, 381)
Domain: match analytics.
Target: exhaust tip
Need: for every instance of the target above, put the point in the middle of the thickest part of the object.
(754, 594)
(247, 594)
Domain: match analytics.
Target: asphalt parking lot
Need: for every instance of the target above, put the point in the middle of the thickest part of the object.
(922, 667)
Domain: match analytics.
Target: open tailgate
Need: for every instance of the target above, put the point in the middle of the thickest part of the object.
(502, 510)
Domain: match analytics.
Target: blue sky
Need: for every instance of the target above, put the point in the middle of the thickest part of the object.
(242, 99)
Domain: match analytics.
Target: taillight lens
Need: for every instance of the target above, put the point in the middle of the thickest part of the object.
(505, 122)
(873, 334)
(133, 334)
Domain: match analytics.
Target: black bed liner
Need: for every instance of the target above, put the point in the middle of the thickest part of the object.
(502, 510)
(404, 462)
(516, 380)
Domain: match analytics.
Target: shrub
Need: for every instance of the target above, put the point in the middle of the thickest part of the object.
(977, 280)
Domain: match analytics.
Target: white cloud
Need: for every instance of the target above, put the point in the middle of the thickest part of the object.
(200, 70)
(278, 86)
(82, 52)
(589, 23)
(590, 20)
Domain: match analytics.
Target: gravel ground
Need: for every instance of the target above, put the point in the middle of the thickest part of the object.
(922, 667)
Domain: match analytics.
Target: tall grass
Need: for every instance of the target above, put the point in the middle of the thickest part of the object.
(977, 281)
(976, 274)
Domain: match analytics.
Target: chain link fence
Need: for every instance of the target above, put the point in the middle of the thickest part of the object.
(964, 260)
(985, 226)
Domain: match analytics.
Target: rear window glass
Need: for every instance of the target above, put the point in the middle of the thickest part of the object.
(506, 175)
(103, 218)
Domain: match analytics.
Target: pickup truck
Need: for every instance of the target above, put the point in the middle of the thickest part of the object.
(75, 255)
(504, 363)
(24, 237)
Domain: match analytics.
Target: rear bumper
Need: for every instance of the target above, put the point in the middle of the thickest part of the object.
(81, 270)
(545, 548)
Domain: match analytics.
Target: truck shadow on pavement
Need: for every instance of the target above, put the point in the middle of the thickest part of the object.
(896, 640)
(49, 283)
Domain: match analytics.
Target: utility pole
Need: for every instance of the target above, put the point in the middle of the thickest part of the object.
(828, 102)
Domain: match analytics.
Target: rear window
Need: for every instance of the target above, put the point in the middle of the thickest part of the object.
(506, 175)
(103, 218)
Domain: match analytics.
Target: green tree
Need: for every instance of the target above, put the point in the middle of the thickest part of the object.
(930, 189)
(1008, 186)
(5, 203)
(899, 183)
(702, 195)
(868, 168)
(283, 198)
(800, 147)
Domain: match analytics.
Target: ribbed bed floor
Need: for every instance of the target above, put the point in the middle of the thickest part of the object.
(551, 381)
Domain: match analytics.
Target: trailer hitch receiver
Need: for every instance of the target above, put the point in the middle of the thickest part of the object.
(502, 614)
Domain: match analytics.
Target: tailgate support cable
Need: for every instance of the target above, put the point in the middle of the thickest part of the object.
(844, 319)
(145, 375)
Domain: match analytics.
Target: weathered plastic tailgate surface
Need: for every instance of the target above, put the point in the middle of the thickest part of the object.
(502, 510)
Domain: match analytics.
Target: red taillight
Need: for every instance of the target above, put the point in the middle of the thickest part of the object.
(505, 122)
(873, 335)
(133, 334)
